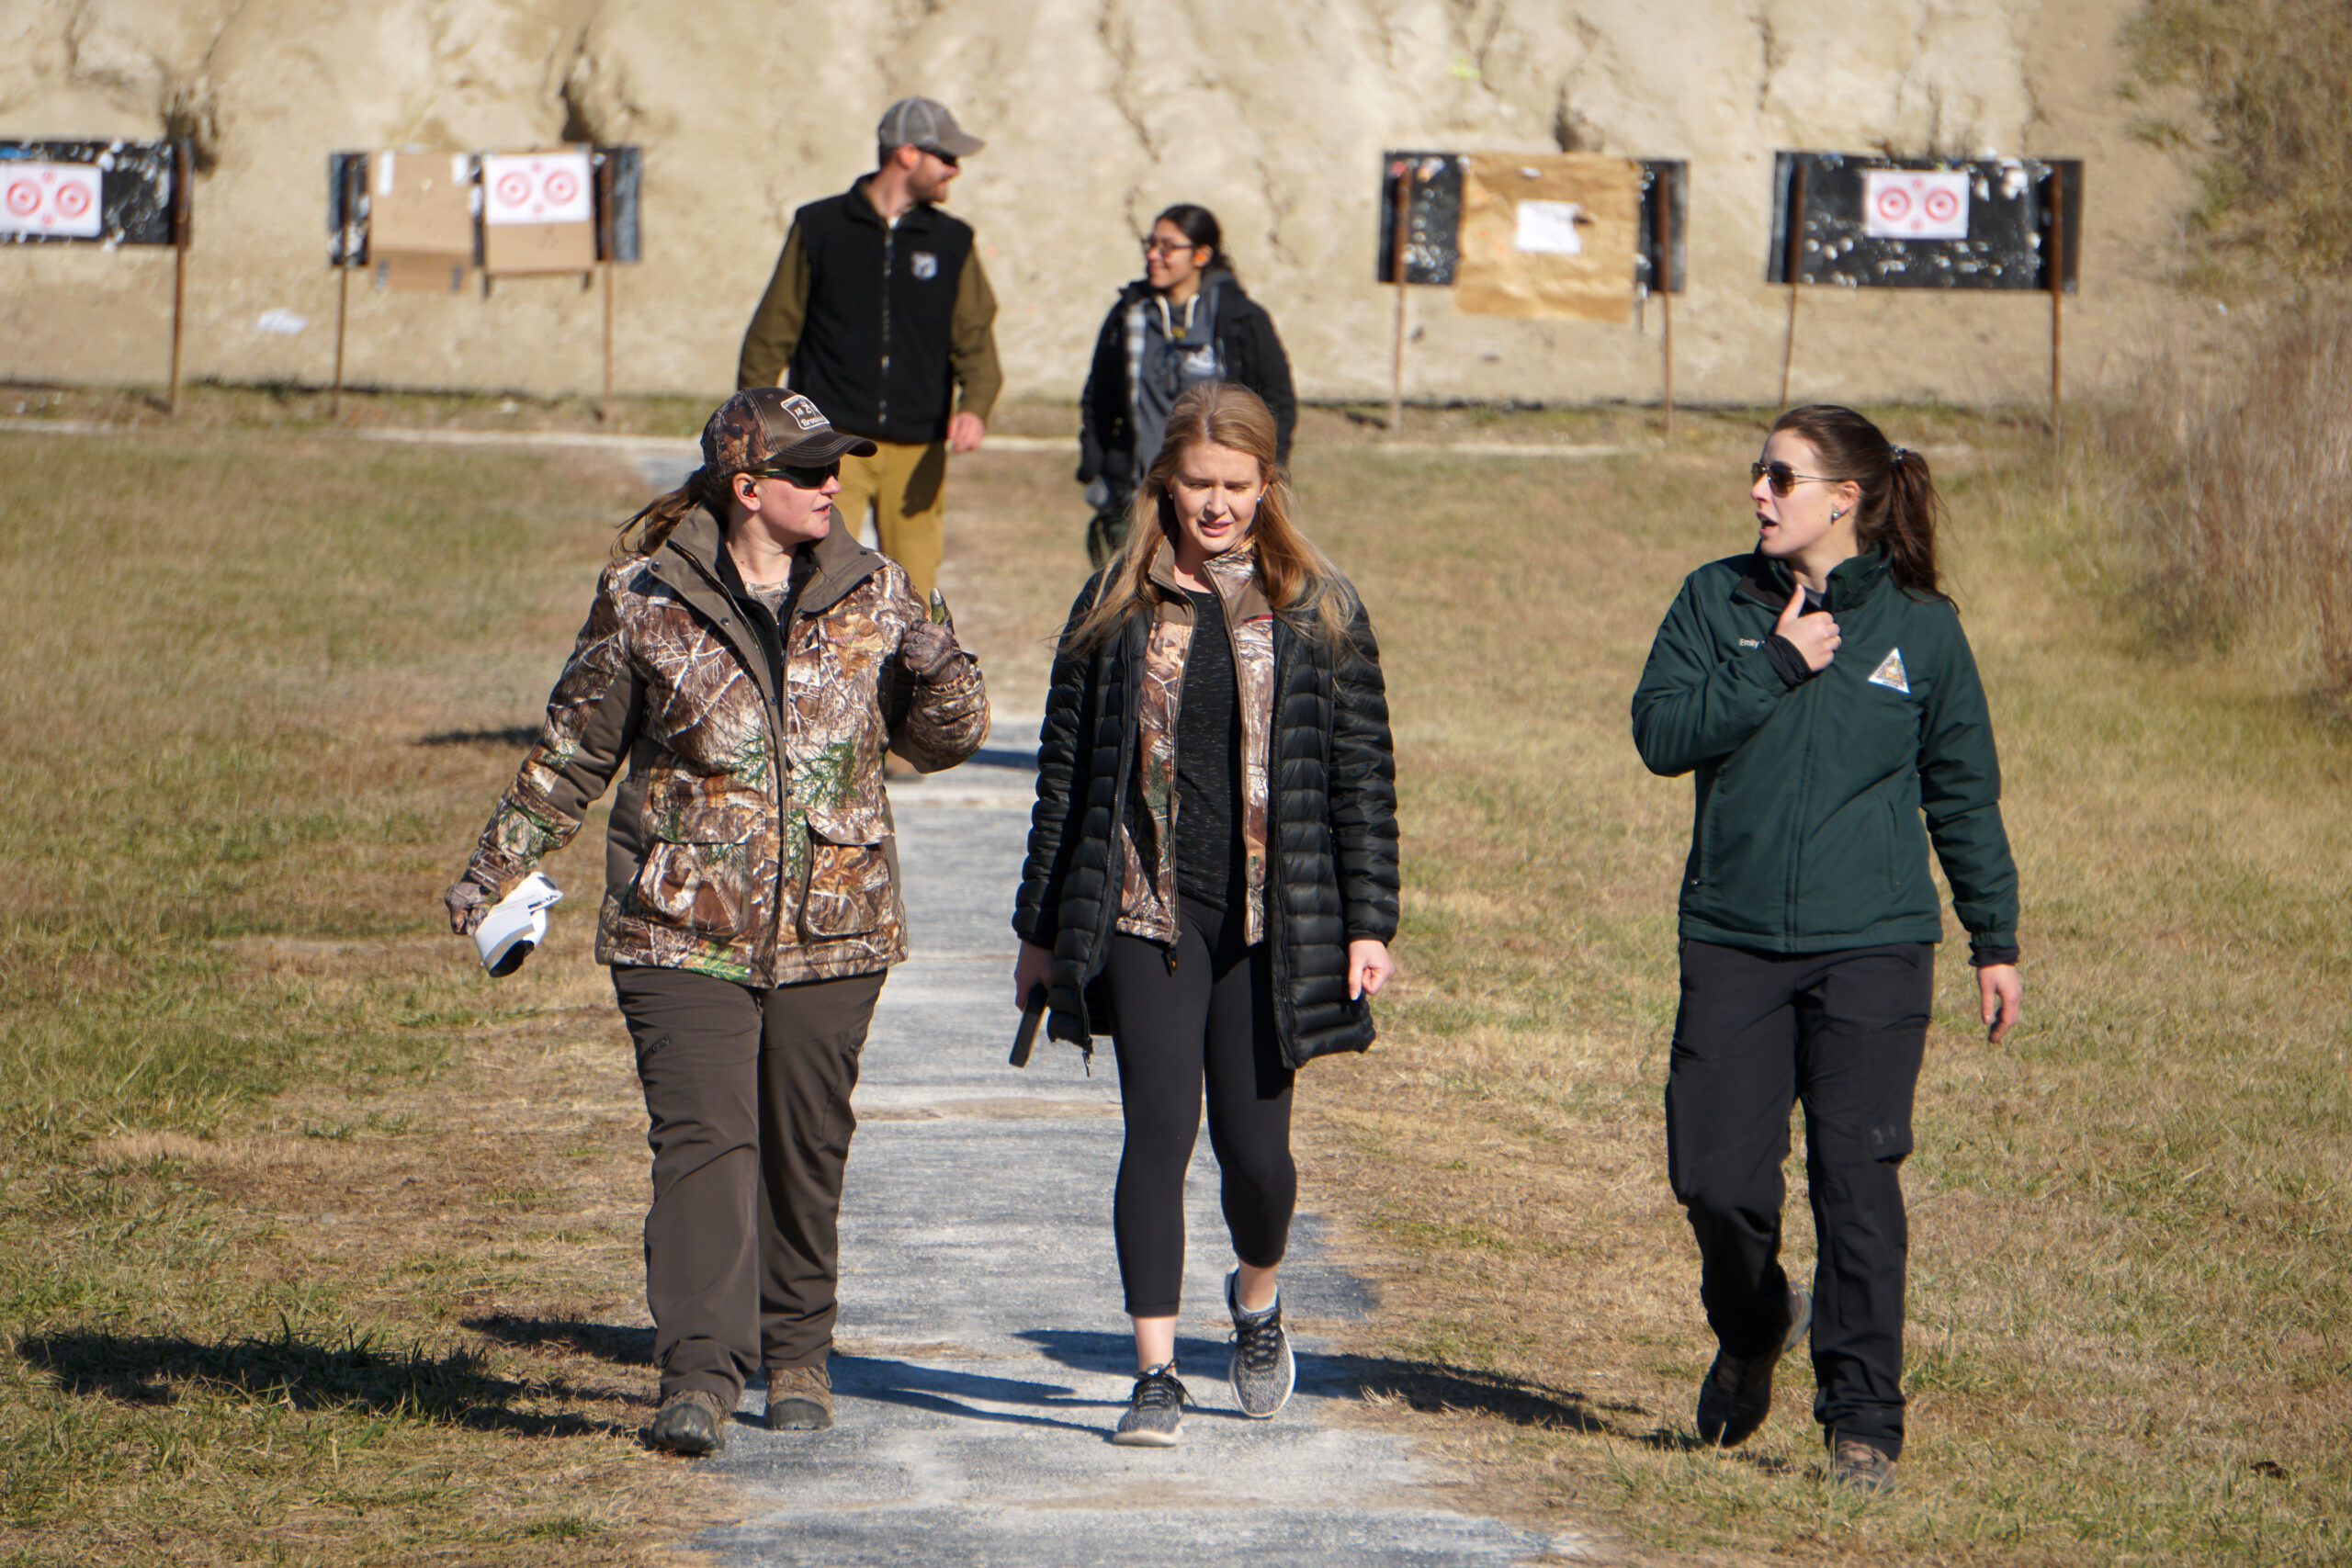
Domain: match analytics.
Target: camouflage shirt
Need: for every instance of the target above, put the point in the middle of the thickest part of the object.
(751, 839)
(1148, 845)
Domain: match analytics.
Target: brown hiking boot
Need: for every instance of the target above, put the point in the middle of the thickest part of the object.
(800, 1399)
(1737, 1394)
(1861, 1465)
(691, 1422)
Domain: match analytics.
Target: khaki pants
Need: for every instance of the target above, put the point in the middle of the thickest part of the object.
(907, 487)
(747, 1097)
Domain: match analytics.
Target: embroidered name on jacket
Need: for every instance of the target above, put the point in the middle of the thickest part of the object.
(1890, 672)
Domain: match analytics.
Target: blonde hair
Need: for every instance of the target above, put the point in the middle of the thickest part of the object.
(1297, 578)
(647, 530)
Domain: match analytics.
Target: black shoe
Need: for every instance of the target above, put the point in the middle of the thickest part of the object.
(1860, 1465)
(1737, 1394)
(1155, 1410)
(692, 1423)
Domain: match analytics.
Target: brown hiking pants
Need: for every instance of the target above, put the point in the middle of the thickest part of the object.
(747, 1097)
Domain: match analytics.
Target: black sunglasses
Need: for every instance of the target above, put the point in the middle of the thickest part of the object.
(950, 159)
(1784, 479)
(801, 478)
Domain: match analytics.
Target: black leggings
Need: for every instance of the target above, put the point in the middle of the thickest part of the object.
(1213, 1018)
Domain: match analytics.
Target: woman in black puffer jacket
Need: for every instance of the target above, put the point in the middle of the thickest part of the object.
(1212, 869)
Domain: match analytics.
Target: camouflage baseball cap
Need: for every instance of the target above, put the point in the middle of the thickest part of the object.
(759, 427)
(925, 123)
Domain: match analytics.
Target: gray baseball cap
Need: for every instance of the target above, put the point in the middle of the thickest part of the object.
(925, 123)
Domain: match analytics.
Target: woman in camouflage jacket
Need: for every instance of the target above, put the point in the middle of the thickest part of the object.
(751, 662)
(1212, 868)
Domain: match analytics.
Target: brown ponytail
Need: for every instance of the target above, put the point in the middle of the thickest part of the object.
(654, 522)
(1899, 510)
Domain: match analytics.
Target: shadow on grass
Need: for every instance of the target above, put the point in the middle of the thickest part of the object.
(512, 737)
(357, 1376)
(622, 1346)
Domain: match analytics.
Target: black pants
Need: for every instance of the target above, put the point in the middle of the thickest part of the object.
(1210, 1019)
(746, 1100)
(1844, 1032)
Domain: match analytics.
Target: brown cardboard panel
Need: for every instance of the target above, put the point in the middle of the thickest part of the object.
(1548, 235)
(421, 272)
(509, 248)
(421, 202)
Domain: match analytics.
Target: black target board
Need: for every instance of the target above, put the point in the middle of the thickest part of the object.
(94, 193)
(1432, 215)
(1658, 268)
(1864, 222)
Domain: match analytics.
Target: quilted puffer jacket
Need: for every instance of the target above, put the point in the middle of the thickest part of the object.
(1330, 873)
(751, 839)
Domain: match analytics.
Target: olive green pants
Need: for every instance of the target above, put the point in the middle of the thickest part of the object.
(747, 1098)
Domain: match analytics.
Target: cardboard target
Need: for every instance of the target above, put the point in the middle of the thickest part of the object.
(51, 198)
(536, 187)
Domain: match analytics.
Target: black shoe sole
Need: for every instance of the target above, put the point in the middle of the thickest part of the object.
(799, 1416)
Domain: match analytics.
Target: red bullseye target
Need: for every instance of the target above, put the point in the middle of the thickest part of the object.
(24, 197)
(559, 186)
(1914, 204)
(514, 189)
(536, 187)
(1941, 206)
(73, 201)
(1894, 204)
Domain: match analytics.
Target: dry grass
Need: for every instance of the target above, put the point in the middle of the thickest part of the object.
(2234, 487)
(2273, 81)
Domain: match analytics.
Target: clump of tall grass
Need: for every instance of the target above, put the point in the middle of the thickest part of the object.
(2273, 81)
(2237, 492)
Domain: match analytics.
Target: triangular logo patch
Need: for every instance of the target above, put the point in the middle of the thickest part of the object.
(1890, 672)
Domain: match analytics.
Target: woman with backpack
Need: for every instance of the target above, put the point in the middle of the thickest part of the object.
(1185, 322)
(1212, 867)
(1821, 689)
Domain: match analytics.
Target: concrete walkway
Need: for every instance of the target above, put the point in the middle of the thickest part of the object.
(983, 1359)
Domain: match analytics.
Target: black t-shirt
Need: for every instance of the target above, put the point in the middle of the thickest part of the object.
(1208, 764)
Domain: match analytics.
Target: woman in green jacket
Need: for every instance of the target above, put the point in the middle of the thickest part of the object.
(1821, 690)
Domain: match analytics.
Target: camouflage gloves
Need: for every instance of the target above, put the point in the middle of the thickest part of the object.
(467, 901)
(927, 650)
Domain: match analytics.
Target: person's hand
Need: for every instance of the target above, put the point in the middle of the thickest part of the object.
(467, 901)
(1369, 968)
(925, 649)
(1035, 967)
(1813, 636)
(2002, 992)
(964, 432)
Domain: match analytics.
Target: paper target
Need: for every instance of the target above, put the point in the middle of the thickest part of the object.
(536, 187)
(60, 199)
(1908, 204)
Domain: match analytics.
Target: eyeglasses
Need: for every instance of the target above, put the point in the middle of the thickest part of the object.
(801, 478)
(1784, 479)
(949, 159)
(1156, 247)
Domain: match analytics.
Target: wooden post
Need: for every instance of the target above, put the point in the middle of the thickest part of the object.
(2057, 288)
(347, 244)
(1662, 225)
(1795, 262)
(180, 214)
(605, 251)
(1396, 271)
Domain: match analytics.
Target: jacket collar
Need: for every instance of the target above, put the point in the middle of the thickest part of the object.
(1769, 582)
(915, 219)
(1234, 574)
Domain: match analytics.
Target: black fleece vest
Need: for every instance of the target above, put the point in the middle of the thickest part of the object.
(874, 349)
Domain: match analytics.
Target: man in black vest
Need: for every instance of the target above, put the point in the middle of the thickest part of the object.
(879, 311)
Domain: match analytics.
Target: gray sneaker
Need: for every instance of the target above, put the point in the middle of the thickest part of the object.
(1155, 1415)
(1262, 1372)
(1860, 1465)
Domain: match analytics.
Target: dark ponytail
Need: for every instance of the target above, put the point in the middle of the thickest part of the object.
(1899, 510)
(1199, 225)
(659, 519)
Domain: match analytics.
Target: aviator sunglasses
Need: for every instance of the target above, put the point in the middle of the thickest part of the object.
(800, 477)
(1784, 479)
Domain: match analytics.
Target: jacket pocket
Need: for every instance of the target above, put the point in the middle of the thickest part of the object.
(697, 871)
(849, 875)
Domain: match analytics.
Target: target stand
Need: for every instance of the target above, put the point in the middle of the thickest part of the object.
(108, 194)
(423, 221)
